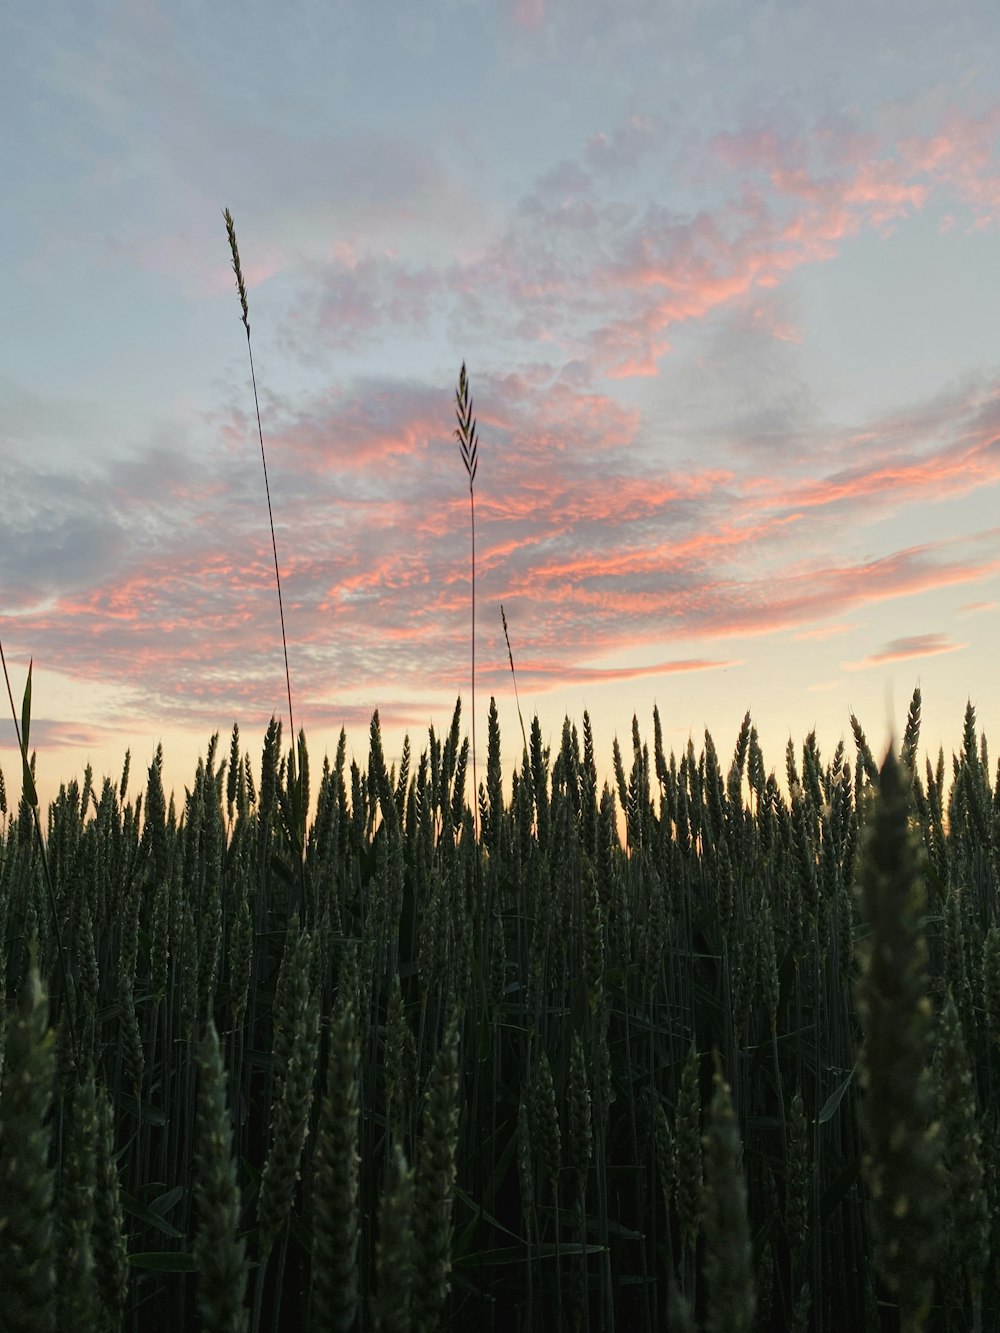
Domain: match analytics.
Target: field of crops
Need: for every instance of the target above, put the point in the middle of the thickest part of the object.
(381, 1071)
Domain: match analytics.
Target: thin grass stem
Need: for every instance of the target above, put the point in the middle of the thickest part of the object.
(517, 700)
(241, 287)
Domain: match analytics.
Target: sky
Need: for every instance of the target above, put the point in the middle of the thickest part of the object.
(724, 279)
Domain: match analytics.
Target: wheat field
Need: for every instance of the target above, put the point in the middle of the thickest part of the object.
(734, 1071)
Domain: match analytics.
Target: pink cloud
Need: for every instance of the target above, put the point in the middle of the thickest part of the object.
(604, 284)
(704, 264)
(195, 628)
(824, 632)
(579, 541)
(537, 675)
(528, 14)
(972, 460)
(765, 319)
(635, 138)
(901, 650)
(748, 149)
(963, 156)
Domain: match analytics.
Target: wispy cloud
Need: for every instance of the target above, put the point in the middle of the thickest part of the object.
(55, 733)
(540, 675)
(581, 540)
(579, 265)
(822, 632)
(900, 650)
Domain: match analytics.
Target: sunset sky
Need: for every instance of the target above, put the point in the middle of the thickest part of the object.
(725, 279)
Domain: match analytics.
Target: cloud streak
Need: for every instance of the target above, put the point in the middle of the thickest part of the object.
(901, 650)
(581, 541)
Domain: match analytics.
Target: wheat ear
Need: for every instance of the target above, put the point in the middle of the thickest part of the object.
(434, 1188)
(469, 447)
(219, 1250)
(394, 1252)
(77, 1289)
(729, 1277)
(110, 1249)
(27, 1254)
(336, 1221)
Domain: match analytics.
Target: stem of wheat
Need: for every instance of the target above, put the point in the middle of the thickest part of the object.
(469, 446)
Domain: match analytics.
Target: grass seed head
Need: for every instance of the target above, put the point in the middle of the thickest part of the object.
(237, 267)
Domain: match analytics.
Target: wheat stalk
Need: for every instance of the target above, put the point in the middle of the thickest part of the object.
(27, 1255)
(394, 1251)
(110, 1250)
(688, 1153)
(290, 1126)
(30, 796)
(434, 1188)
(728, 1268)
(77, 1287)
(900, 1165)
(469, 448)
(336, 1224)
(219, 1250)
(962, 1153)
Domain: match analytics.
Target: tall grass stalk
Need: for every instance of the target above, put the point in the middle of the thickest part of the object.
(31, 796)
(517, 700)
(469, 446)
(241, 288)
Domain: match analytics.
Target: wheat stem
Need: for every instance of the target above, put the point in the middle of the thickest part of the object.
(469, 446)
